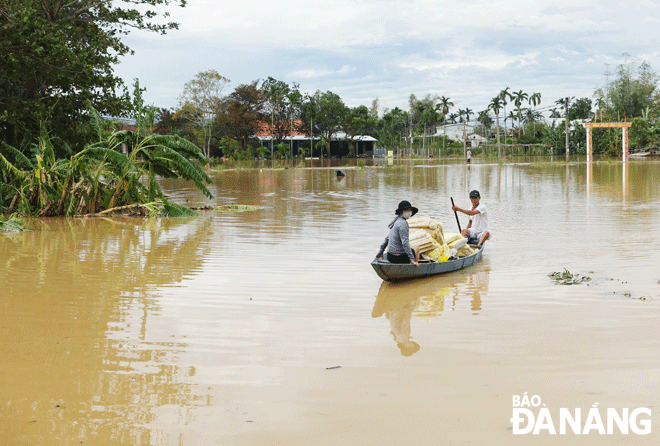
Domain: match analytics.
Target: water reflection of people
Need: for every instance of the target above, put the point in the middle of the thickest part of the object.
(400, 328)
(426, 299)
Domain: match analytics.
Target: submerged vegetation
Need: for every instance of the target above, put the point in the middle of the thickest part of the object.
(568, 278)
(13, 223)
(115, 174)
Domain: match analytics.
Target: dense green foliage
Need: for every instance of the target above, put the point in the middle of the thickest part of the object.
(57, 56)
(116, 173)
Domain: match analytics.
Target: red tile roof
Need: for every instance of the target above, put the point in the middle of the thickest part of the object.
(265, 129)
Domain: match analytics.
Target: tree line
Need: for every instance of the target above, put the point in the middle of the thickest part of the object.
(57, 80)
(226, 125)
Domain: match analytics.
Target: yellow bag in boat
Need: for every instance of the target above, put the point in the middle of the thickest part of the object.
(424, 222)
(452, 237)
(458, 244)
(465, 251)
(440, 254)
(423, 240)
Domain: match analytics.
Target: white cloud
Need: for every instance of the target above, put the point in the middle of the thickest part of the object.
(468, 50)
(314, 73)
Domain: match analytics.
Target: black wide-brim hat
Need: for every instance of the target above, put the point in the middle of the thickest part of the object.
(405, 204)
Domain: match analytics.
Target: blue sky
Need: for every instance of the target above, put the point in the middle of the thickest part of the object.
(362, 50)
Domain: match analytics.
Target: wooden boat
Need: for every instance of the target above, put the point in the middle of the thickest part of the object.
(393, 272)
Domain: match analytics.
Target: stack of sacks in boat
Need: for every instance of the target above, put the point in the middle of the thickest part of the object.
(459, 243)
(426, 233)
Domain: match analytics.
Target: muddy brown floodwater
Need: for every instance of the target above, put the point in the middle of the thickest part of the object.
(269, 327)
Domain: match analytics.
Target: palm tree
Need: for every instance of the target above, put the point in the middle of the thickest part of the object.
(466, 113)
(505, 96)
(485, 120)
(443, 107)
(452, 118)
(512, 116)
(534, 100)
(531, 117)
(518, 98)
(564, 102)
(496, 105)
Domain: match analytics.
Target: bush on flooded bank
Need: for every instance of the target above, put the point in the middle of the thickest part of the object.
(116, 174)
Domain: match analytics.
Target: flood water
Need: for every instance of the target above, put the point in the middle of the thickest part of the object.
(269, 327)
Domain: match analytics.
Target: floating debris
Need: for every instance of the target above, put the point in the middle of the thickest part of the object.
(202, 208)
(629, 295)
(238, 208)
(567, 278)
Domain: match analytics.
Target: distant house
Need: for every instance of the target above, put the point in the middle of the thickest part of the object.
(128, 123)
(339, 146)
(363, 145)
(476, 140)
(458, 132)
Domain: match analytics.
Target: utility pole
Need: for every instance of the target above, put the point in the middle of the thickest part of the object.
(411, 132)
(424, 141)
(567, 149)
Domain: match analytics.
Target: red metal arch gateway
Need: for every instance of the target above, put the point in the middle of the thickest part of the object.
(622, 125)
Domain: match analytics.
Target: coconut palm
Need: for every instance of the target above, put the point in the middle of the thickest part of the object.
(531, 116)
(466, 114)
(512, 116)
(443, 107)
(485, 120)
(518, 98)
(534, 100)
(496, 105)
(554, 113)
(505, 96)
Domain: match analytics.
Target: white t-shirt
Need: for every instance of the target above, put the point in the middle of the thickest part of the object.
(480, 221)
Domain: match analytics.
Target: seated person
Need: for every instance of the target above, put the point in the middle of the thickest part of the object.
(397, 241)
(477, 230)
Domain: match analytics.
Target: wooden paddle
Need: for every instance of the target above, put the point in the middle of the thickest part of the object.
(456, 214)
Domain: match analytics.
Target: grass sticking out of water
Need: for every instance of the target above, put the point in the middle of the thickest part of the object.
(568, 278)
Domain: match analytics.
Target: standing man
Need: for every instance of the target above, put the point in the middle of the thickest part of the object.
(477, 228)
(469, 156)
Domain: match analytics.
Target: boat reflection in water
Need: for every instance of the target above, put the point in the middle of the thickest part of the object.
(427, 298)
